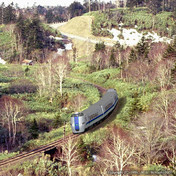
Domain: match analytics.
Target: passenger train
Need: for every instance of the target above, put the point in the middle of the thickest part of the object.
(82, 120)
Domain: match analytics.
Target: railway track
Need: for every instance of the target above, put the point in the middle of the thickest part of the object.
(38, 151)
(33, 153)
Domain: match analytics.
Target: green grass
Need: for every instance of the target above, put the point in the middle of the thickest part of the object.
(51, 30)
(95, 137)
(5, 39)
(75, 86)
(133, 98)
(47, 137)
(7, 155)
(162, 22)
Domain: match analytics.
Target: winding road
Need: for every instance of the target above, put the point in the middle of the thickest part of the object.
(85, 39)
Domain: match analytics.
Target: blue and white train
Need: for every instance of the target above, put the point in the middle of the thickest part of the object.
(96, 112)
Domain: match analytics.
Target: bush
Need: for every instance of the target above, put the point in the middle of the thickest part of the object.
(102, 22)
(34, 129)
(7, 155)
(100, 46)
(157, 168)
(22, 86)
(57, 122)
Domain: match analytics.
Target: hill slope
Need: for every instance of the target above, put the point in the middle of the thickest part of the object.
(80, 26)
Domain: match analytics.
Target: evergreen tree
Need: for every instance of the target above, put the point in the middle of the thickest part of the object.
(34, 130)
(171, 50)
(9, 14)
(57, 121)
(100, 46)
(131, 3)
(173, 74)
(142, 49)
(26, 71)
(112, 60)
(85, 151)
(2, 7)
(75, 9)
(35, 39)
(155, 6)
(133, 56)
(49, 16)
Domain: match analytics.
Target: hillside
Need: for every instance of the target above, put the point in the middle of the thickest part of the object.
(78, 26)
(103, 27)
(81, 27)
(140, 131)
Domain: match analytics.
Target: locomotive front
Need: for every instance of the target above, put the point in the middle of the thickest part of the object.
(78, 122)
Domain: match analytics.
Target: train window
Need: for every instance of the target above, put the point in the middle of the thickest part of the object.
(108, 106)
(93, 116)
(76, 115)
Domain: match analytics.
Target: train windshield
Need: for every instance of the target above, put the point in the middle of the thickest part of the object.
(77, 115)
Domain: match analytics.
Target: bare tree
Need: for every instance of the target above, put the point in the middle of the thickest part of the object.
(148, 134)
(170, 152)
(78, 102)
(89, 5)
(11, 112)
(69, 155)
(117, 3)
(117, 153)
(172, 115)
(162, 107)
(165, 106)
(138, 71)
(124, 3)
(61, 64)
(50, 73)
(46, 79)
(164, 73)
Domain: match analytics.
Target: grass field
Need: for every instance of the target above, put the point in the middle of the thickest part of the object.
(80, 26)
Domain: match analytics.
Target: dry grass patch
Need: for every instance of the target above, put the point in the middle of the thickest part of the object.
(80, 26)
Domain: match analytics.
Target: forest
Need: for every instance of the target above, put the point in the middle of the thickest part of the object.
(36, 101)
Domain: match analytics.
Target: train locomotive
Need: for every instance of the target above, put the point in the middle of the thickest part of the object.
(80, 121)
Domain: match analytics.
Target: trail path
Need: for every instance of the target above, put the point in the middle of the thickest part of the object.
(73, 36)
(86, 39)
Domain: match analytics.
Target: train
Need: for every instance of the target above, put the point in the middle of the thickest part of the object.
(80, 121)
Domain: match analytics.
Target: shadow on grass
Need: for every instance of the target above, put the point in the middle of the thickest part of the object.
(110, 117)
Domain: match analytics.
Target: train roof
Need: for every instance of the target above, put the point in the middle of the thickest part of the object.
(107, 96)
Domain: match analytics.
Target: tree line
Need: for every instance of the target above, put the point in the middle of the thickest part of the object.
(153, 5)
(7, 14)
(10, 13)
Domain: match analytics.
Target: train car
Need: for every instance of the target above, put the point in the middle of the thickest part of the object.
(96, 112)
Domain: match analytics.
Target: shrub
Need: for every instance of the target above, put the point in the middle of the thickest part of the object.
(34, 130)
(57, 122)
(22, 86)
(7, 155)
(100, 46)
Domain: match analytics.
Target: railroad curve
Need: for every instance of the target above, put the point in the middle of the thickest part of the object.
(38, 151)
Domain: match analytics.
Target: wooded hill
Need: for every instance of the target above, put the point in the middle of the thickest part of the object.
(140, 135)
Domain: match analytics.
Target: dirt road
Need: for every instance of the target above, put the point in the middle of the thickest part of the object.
(85, 39)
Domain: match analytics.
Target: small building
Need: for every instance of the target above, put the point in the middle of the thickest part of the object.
(27, 62)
